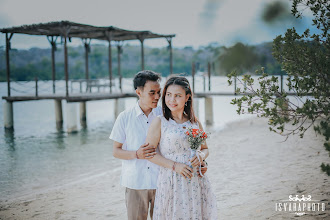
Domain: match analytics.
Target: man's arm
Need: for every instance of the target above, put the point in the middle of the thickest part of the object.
(144, 152)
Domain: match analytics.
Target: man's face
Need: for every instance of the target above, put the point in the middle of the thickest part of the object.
(149, 95)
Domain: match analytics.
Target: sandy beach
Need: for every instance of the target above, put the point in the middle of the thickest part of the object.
(250, 168)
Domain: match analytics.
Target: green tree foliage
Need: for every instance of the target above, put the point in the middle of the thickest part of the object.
(239, 57)
(305, 58)
(245, 58)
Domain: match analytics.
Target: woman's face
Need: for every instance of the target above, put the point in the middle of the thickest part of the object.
(175, 98)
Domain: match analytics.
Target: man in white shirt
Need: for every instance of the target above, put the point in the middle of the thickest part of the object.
(129, 132)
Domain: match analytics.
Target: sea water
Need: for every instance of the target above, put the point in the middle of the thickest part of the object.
(36, 157)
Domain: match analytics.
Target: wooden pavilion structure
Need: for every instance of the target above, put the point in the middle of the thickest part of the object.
(67, 30)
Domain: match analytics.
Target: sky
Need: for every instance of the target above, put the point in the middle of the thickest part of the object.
(195, 22)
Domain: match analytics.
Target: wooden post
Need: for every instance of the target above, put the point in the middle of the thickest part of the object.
(53, 66)
(87, 50)
(109, 36)
(193, 75)
(141, 38)
(58, 114)
(281, 82)
(71, 117)
(8, 115)
(208, 111)
(209, 74)
(235, 86)
(66, 70)
(65, 33)
(8, 38)
(169, 40)
(110, 66)
(36, 80)
(119, 49)
(52, 41)
(204, 86)
(83, 118)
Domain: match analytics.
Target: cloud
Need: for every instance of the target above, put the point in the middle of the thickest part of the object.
(233, 20)
(276, 10)
(244, 21)
(209, 14)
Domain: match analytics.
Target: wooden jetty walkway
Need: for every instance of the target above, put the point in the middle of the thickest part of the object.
(119, 106)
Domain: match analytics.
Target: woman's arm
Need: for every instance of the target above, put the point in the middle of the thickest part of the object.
(153, 138)
(204, 149)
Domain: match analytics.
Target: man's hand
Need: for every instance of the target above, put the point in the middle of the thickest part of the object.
(203, 169)
(146, 152)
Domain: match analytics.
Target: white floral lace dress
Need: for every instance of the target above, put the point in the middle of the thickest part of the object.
(177, 197)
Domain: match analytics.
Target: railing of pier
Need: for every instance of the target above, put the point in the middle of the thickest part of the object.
(202, 84)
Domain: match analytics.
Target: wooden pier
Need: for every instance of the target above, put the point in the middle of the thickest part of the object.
(64, 31)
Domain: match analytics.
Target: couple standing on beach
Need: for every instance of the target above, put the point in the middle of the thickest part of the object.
(151, 142)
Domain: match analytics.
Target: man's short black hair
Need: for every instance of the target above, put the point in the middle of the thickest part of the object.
(143, 76)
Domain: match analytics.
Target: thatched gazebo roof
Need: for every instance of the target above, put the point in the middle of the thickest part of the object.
(71, 29)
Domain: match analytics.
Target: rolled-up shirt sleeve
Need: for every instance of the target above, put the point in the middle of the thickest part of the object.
(118, 130)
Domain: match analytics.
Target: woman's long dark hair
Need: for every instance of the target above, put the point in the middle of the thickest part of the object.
(188, 110)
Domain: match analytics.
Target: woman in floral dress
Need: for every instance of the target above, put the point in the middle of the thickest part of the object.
(180, 193)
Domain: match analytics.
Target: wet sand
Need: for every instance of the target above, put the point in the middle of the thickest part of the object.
(250, 168)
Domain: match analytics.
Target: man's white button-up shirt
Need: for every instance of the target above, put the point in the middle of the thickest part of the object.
(130, 129)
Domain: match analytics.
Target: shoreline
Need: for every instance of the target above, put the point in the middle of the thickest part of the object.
(257, 170)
